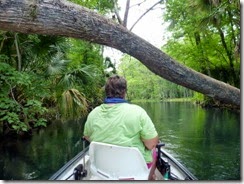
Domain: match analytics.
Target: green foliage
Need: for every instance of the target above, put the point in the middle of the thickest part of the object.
(33, 49)
(206, 39)
(86, 69)
(109, 67)
(198, 97)
(81, 52)
(57, 65)
(102, 6)
(37, 72)
(33, 110)
(12, 118)
(17, 112)
(73, 104)
(143, 84)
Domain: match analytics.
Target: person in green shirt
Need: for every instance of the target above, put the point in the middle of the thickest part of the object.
(120, 123)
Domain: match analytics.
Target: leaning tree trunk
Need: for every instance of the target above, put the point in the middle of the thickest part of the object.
(57, 17)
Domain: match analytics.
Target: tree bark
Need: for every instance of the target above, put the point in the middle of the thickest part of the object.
(59, 17)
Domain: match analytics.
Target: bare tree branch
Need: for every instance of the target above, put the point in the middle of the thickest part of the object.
(126, 13)
(17, 50)
(145, 14)
(138, 4)
(116, 11)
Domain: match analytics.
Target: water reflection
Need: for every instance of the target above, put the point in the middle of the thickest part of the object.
(207, 141)
(40, 157)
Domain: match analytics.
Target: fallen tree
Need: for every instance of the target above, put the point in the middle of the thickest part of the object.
(57, 17)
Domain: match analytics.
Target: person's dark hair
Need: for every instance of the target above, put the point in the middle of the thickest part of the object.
(115, 87)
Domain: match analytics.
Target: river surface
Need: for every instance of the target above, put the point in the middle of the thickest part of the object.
(206, 141)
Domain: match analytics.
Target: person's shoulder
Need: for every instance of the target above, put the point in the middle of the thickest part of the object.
(134, 107)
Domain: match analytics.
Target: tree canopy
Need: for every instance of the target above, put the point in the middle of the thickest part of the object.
(209, 37)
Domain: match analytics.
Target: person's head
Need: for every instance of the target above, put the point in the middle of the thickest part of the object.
(116, 87)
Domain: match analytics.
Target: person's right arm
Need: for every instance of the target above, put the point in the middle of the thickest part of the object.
(87, 129)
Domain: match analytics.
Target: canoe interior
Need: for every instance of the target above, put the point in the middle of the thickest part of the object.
(177, 170)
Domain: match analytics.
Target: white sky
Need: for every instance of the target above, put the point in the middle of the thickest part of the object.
(150, 27)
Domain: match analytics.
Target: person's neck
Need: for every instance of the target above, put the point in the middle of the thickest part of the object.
(114, 100)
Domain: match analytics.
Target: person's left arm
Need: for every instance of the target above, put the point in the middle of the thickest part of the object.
(149, 134)
(151, 143)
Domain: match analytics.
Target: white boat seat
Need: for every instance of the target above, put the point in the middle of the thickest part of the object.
(112, 162)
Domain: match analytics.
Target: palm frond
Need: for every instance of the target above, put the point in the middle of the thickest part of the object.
(73, 104)
(66, 80)
(57, 64)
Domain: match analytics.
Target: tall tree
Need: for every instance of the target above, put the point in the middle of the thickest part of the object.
(68, 19)
(207, 36)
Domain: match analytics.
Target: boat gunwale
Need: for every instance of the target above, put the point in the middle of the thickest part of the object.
(179, 165)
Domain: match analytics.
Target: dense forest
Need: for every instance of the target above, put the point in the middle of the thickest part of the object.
(145, 85)
(45, 77)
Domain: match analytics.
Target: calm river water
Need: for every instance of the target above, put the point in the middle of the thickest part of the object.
(206, 141)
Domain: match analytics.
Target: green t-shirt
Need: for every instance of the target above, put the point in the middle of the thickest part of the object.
(121, 124)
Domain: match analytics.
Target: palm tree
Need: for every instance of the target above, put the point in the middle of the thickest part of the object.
(68, 85)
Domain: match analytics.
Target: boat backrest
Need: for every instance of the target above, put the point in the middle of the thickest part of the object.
(112, 162)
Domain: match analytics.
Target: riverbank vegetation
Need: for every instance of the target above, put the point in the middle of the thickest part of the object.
(52, 77)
